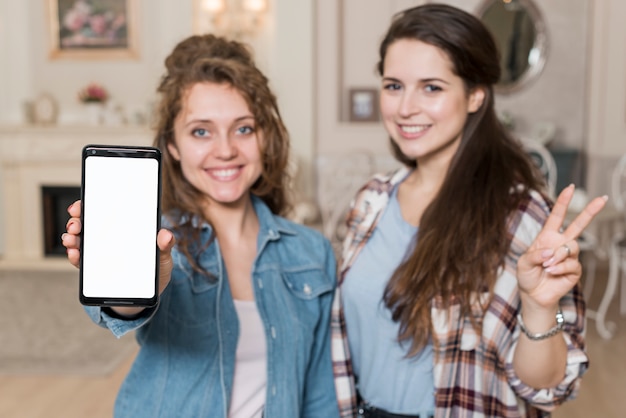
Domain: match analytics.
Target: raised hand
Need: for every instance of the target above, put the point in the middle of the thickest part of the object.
(550, 267)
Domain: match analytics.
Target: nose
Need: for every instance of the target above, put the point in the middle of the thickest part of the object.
(225, 148)
(409, 104)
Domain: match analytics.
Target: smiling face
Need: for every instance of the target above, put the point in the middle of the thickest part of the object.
(424, 105)
(217, 144)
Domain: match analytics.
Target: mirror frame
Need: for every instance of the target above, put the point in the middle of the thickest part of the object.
(541, 44)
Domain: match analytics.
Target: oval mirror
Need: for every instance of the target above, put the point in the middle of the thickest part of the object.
(519, 31)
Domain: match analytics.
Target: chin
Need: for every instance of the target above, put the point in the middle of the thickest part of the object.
(228, 200)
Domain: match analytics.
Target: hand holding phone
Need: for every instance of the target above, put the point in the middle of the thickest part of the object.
(165, 242)
(120, 217)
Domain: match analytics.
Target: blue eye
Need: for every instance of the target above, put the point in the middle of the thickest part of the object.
(200, 132)
(245, 130)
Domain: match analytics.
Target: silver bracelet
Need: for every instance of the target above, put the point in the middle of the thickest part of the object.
(560, 320)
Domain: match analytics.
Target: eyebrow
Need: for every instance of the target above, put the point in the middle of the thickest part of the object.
(421, 80)
(239, 119)
(430, 80)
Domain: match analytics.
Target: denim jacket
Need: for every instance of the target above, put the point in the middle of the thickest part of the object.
(186, 362)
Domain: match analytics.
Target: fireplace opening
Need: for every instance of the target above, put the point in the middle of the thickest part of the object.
(55, 201)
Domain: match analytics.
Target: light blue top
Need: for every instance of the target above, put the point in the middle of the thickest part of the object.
(386, 378)
(188, 342)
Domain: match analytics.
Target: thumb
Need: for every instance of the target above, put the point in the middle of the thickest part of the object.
(165, 241)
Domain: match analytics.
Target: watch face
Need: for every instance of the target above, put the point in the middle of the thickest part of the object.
(45, 109)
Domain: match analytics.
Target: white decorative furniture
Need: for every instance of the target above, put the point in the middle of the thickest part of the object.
(608, 226)
(339, 177)
(603, 239)
(540, 155)
(617, 250)
(618, 244)
(606, 222)
(32, 157)
(304, 210)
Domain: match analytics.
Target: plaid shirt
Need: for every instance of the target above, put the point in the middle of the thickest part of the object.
(473, 374)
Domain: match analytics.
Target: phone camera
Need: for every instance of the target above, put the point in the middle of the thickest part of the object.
(93, 151)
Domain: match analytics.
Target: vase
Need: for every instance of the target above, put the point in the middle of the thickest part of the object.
(94, 114)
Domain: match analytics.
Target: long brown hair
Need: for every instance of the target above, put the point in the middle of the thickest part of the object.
(463, 237)
(212, 59)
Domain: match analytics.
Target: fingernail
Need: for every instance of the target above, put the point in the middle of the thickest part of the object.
(548, 263)
(70, 207)
(605, 197)
(70, 223)
(548, 252)
(63, 236)
(549, 269)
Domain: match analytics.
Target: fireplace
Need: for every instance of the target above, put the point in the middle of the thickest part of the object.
(55, 201)
(33, 159)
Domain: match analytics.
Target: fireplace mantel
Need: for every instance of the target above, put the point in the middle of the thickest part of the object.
(34, 156)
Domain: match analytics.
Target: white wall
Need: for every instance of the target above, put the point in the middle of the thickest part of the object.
(130, 81)
(559, 93)
(283, 49)
(15, 66)
(313, 51)
(582, 87)
(348, 52)
(606, 131)
(291, 71)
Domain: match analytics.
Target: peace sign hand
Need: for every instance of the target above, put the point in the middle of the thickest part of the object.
(550, 268)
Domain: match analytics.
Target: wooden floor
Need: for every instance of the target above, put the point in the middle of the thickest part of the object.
(60, 396)
(602, 392)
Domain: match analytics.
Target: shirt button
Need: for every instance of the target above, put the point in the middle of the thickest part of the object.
(274, 390)
(273, 332)
(307, 289)
(260, 282)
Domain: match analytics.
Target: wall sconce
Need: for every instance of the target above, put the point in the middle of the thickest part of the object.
(233, 18)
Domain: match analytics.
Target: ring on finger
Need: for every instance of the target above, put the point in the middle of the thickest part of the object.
(569, 251)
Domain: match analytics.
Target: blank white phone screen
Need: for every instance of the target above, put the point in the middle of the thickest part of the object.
(120, 227)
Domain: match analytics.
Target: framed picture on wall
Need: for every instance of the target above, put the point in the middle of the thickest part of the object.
(363, 104)
(93, 29)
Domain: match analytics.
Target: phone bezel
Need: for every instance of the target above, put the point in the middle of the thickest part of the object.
(124, 151)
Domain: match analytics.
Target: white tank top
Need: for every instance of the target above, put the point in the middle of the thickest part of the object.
(250, 380)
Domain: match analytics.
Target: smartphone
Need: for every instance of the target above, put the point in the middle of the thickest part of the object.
(121, 216)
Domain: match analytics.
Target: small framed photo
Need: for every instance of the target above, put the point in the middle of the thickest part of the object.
(363, 105)
(93, 29)
(45, 110)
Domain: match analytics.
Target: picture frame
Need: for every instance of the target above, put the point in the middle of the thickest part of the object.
(363, 104)
(45, 110)
(93, 29)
